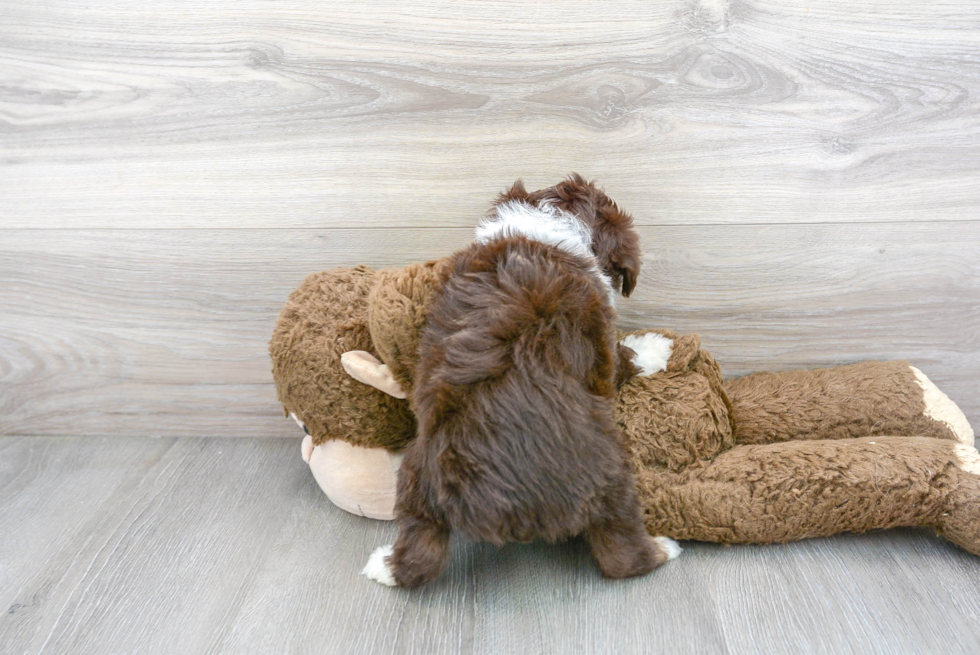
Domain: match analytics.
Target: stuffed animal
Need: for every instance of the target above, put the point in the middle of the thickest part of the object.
(769, 457)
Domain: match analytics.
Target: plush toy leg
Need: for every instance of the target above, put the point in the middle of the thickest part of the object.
(860, 400)
(358, 480)
(788, 491)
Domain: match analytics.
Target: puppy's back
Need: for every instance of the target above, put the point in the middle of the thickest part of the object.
(514, 394)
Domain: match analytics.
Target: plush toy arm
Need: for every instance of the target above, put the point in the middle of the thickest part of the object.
(866, 399)
(787, 491)
(365, 367)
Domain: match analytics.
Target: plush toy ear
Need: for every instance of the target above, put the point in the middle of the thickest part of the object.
(365, 367)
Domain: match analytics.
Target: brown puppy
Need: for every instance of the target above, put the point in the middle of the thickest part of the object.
(519, 365)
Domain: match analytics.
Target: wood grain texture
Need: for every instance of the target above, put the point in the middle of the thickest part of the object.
(806, 176)
(763, 594)
(172, 114)
(165, 332)
(175, 558)
(548, 599)
(125, 545)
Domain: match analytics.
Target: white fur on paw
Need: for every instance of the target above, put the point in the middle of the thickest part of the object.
(377, 568)
(652, 351)
(669, 546)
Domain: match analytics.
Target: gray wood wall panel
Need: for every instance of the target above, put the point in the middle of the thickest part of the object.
(806, 178)
(164, 332)
(170, 114)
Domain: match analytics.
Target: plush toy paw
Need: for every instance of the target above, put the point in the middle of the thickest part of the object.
(960, 520)
(652, 351)
(377, 567)
(940, 408)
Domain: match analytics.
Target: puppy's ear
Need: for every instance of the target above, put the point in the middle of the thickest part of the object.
(515, 192)
(614, 241)
(617, 247)
(628, 268)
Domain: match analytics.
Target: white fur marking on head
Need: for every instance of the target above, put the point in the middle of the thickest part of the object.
(545, 224)
(669, 546)
(940, 408)
(377, 568)
(652, 351)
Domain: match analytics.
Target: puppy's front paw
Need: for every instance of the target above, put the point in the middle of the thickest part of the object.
(652, 351)
(377, 567)
(668, 547)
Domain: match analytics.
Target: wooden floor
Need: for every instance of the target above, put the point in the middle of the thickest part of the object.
(805, 178)
(185, 545)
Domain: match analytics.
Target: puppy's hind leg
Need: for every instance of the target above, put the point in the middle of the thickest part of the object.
(419, 555)
(421, 550)
(619, 541)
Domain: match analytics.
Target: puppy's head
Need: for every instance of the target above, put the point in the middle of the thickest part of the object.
(615, 242)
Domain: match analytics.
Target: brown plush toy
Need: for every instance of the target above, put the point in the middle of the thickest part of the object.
(770, 457)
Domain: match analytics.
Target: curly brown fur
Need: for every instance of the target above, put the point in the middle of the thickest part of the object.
(517, 438)
(614, 241)
(326, 316)
(767, 406)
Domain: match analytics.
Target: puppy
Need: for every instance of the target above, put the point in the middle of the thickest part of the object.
(514, 392)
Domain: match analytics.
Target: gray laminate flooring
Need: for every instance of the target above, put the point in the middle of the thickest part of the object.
(211, 545)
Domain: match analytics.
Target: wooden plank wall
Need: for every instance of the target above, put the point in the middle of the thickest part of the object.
(805, 176)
